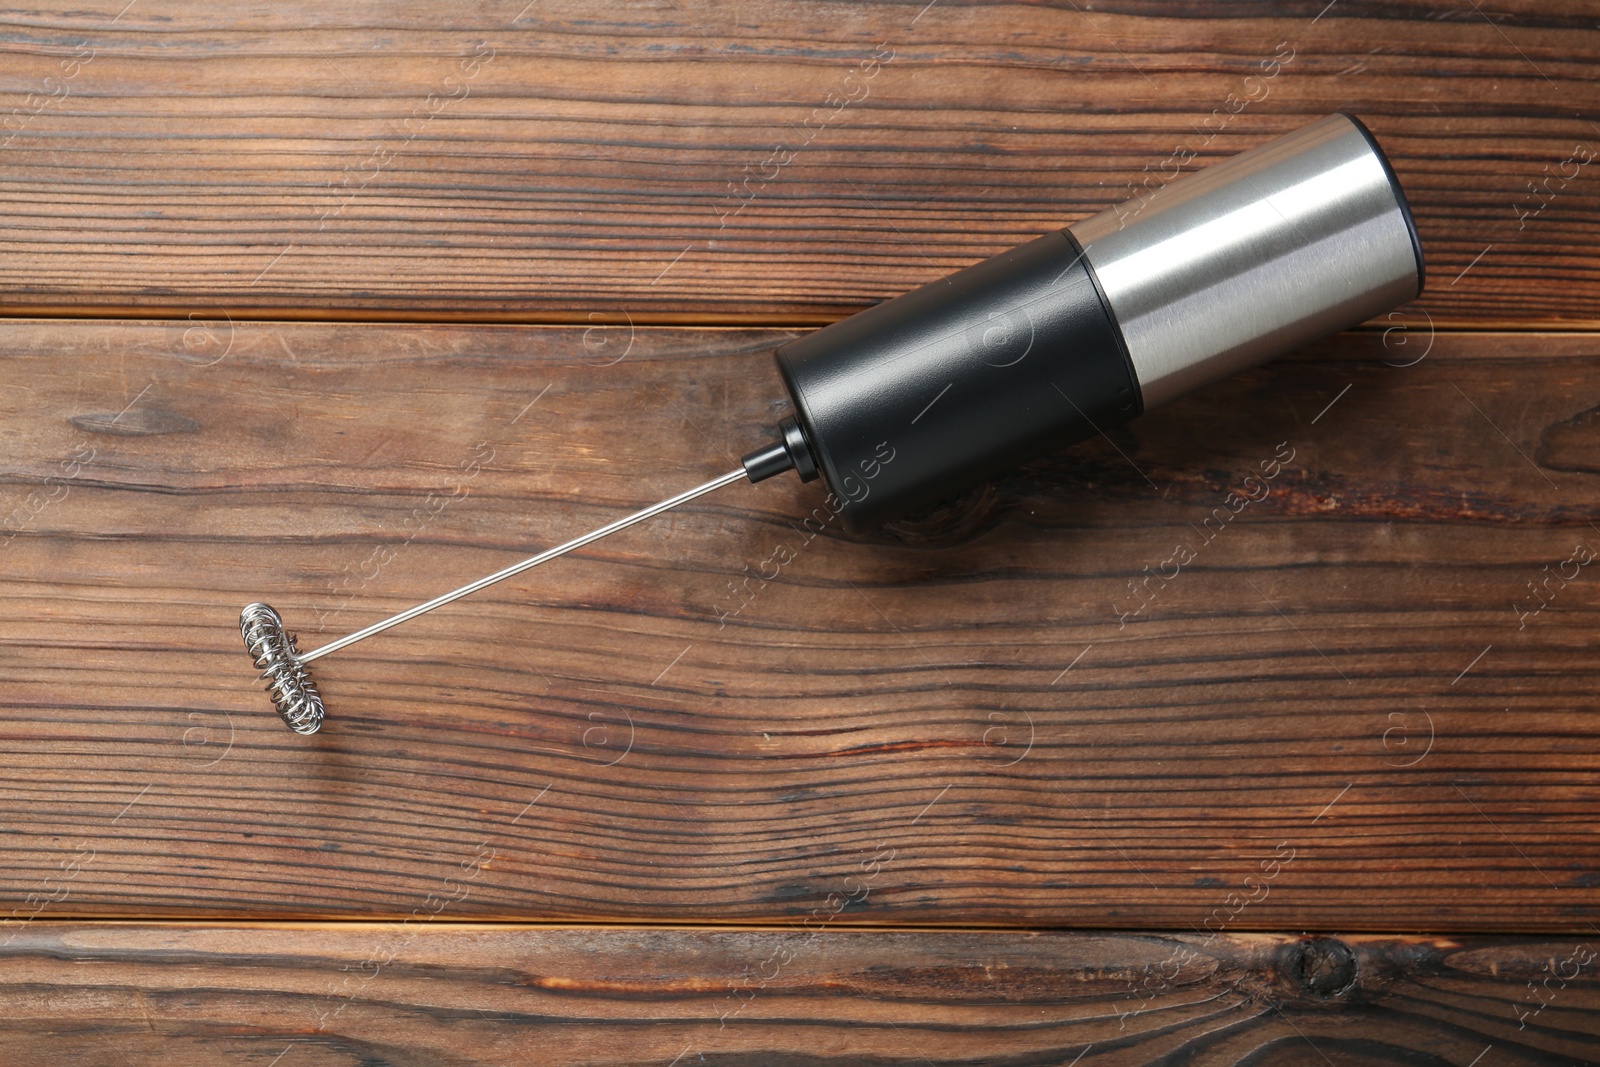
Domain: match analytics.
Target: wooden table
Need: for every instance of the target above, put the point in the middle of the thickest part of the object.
(340, 306)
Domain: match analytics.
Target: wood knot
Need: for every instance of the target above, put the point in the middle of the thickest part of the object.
(145, 422)
(1321, 967)
(952, 521)
(1571, 445)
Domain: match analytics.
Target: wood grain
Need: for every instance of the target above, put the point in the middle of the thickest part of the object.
(383, 995)
(1333, 717)
(678, 160)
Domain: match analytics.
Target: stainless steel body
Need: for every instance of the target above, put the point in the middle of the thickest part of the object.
(1252, 257)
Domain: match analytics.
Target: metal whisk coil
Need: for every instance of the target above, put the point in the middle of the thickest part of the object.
(289, 683)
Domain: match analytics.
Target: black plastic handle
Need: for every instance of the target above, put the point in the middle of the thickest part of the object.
(942, 388)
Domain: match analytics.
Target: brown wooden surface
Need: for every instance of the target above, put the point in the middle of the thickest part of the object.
(1338, 680)
(354, 995)
(679, 159)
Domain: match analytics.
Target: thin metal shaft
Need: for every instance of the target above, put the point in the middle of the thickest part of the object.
(532, 561)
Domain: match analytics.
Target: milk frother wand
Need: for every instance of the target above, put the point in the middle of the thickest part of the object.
(945, 387)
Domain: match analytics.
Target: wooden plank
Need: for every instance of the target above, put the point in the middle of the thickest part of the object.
(1366, 681)
(369, 994)
(690, 159)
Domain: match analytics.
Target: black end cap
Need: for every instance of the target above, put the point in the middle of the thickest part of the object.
(789, 452)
